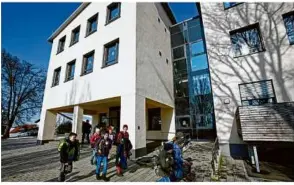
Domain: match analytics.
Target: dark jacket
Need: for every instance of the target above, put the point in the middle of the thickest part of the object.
(86, 127)
(69, 151)
(123, 139)
(103, 146)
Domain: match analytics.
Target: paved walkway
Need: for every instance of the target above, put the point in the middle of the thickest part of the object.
(40, 164)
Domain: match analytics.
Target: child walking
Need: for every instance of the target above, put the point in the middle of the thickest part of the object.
(69, 152)
(103, 147)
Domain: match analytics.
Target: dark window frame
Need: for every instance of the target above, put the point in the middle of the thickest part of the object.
(237, 3)
(108, 10)
(244, 29)
(273, 98)
(150, 121)
(89, 22)
(105, 52)
(84, 64)
(68, 65)
(61, 40)
(283, 16)
(54, 77)
(73, 32)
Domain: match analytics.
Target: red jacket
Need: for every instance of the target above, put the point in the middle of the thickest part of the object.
(94, 138)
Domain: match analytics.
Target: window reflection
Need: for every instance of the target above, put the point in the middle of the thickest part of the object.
(197, 48)
(195, 34)
(201, 84)
(199, 62)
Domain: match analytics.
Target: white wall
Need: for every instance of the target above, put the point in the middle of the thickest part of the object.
(115, 80)
(154, 77)
(111, 81)
(227, 72)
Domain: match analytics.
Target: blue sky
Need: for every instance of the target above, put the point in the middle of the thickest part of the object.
(27, 26)
(183, 11)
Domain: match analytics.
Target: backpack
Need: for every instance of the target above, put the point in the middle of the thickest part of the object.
(76, 149)
(61, 143)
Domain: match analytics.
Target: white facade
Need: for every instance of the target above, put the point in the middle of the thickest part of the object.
(275, 63)
(123, 84)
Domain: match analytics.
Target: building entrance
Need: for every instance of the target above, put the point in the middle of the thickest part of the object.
(114, 118)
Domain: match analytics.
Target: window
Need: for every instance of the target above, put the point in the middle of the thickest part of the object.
(111, 53)
(228, 5)
(154, 119)
(61, 44)
(183, 122)
(289, 24)
(70, 70)
(75, 35)
(159, 53)
(199, 62)
(166, 60)
(92, 24)
(182, 106)
(194, 30)
(113, 12)
(180, 66)
(88, 63)
(197, 48)
(257, 93)
(56, 77)
(179, 52)
(158, 20)
(246, 40)
(201, 84)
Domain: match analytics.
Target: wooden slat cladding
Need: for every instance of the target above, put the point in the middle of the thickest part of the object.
(257, 90)
(270, 122)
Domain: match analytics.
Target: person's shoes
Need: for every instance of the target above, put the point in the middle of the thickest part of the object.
(105, 178)
(98, 177)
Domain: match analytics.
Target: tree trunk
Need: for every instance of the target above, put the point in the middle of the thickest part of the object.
(6, 132)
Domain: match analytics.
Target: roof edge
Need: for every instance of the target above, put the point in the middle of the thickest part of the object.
(169, 12)
(68, 21)
(84, 5)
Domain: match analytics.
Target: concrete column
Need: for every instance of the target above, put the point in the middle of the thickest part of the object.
(133, 114)
(95, 120)
(256, 159)
(167, 124)
(77, 121)
(172, 124)
(46, 127)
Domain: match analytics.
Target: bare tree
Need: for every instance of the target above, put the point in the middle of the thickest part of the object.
(22, 90)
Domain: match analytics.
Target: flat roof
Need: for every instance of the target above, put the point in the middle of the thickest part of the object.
(84, 5)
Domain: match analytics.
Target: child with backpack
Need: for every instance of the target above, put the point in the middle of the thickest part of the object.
(103, 146)
(69, 152)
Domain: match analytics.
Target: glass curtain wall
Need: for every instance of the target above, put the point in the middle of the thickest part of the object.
(193, 95)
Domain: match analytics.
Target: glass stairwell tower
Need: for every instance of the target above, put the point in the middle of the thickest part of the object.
(193, 93)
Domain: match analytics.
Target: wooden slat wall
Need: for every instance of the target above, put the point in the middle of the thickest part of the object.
(255, 90)
(271, 122)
